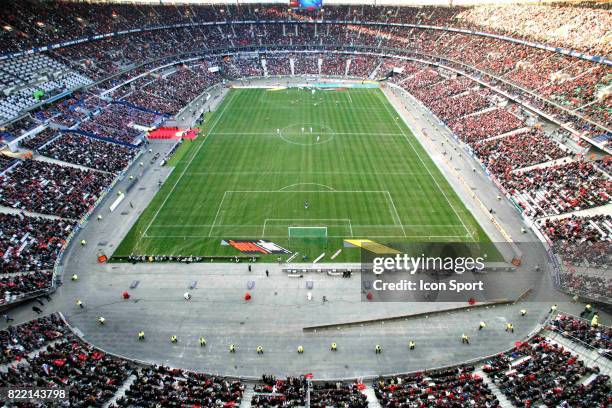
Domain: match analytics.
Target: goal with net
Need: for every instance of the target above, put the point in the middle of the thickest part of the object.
(319, 232)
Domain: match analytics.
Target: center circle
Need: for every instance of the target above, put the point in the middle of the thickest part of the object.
(306, 134)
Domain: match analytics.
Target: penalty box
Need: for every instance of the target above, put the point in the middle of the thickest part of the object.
(270, 214)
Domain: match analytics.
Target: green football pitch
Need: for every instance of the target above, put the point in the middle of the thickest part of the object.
(305, 170)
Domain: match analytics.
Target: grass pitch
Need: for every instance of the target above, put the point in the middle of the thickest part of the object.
(265, 153)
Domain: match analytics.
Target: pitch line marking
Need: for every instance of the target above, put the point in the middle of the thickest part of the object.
(263, 233)
(189, 163)
(325, 128)
(307, 191)
(217, 215)
(396, 218)
(329, 236)
(424, 165)
(309, 184)
(324, 173)
(399, 220)
(305, 219)
(334, 133)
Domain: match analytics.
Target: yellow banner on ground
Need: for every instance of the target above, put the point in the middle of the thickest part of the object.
(372, 246)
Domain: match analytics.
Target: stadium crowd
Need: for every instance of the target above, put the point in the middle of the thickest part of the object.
(43, 352)
(12, 286)
(559, 77)
(18, 341)
(451, 387)
(506, 154)
(117, 122)
(542, 372)
(599, 338)
(52, 189)
(90, 376)
(88, 152)
(167, 95)
(178, 388)
(596, 287)
(557, 189)
(543, 23)
(29, 244)
(273, 392)
(39, 139)
(79, 21)
(485, 125)
(291, 392)
(5, 163)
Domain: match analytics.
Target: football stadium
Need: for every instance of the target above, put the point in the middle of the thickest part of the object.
(306, 204)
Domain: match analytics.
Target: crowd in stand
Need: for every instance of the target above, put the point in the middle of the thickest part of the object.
(39, 139)
(88, 152)
(456, 107)
(117, 122)
(442, 90)
(422, 79)
(587, 31)
(308, 65)
(244, 67)
(90, 376)
(485, 125)
(453, 387)
(580, 330)
(73, 109)
(337, 394)
(273, 392)
(278, 66)
(162, 386)
(589, 286)
(48, 188)
(560, 78)
(362, 67)
(169, 94)
(542, 372)
(575, 229)
(557, 189)
(20, 126)
(29, 244)
(291, 392)
(506, 154)
(14, 286)
(44, 353)
(5, 162)
(334, 64)
(18, 341)
(547, 24)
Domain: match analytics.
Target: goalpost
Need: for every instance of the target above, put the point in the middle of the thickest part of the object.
(319, 232)
(308, 236)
